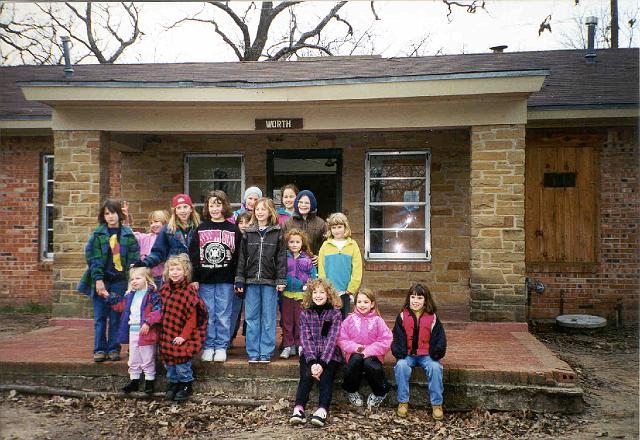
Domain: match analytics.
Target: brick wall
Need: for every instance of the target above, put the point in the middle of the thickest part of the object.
(24, 277)
(616, 276)
(152, 177)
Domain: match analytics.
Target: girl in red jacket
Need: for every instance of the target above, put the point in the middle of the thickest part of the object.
(419, 339)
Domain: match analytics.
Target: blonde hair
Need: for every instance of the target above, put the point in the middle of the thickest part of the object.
(145, 272)
(172, 226)
(271, 207)
(337, 218)
(159, 215)
(306, 247)
(332, 294)
(178, 260)
(369, 294)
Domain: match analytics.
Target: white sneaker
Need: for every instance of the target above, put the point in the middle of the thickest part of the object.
(355, 399)
(207, 355)
(286, 352)
(374, 401)
(220, 355)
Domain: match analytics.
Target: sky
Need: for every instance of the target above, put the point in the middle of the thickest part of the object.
(402, 23)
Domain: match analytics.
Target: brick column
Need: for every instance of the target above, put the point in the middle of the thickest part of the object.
(81, 182)
(497, 223)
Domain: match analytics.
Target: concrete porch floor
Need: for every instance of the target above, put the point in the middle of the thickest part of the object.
(488, 365)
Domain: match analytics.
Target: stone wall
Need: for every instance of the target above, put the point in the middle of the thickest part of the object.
(616, 277)
(25, 277)
(497, 223)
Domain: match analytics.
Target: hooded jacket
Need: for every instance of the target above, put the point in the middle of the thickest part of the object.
(313, 225)
(368, 330)
(150, 314)
(262, 259)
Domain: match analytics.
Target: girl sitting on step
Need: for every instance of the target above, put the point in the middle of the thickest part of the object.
(419, 339)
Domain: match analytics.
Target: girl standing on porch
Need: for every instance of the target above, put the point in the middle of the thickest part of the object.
(305, 217)
(288, 194)
(109, 252)
(213, 253)
(157, 219)
(174, 237)
(262, 269)
(340, 261)
(419, 339)
(364, 340)
(251, 196)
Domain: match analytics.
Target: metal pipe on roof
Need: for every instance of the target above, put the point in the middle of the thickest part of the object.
(68, 68)
(591, 23)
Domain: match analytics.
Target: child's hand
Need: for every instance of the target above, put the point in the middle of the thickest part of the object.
(99, 286)
(360, 349)
(280, 287)
(103, 293)
(316, 371)
(144, 329)
(178, 340)
(314, 260)
(196, 285)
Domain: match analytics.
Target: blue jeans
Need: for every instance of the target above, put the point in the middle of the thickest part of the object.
(179, 372)
(260, 307)
(106, 321)
(236, 308)
(219, 300)
(433, 371)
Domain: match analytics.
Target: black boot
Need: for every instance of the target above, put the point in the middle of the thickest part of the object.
(172, 387)
(134, 385)
(184, 391)
(149, 388)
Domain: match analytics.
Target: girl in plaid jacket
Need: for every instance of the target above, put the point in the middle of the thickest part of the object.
(320, 322)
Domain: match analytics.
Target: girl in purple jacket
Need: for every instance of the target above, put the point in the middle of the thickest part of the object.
(141, 315)
(320, 322)
(364, 340)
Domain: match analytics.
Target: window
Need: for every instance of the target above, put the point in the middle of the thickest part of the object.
(206, 172)
(46, 208)
(397, 206)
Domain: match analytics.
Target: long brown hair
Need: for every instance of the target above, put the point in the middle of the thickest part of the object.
(369, 294)
(306, 247)
(224, 201)
(418, 289)
(268, 203)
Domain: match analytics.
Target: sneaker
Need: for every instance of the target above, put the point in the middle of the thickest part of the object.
(99, 357)
(319, 418)
(220, 355)
(114, 356)
(294, 350)
(286, 352)
(298, 417)
(374, 401)
(264, 360)
(437, 412)
(253, 360)
(403, 409)
(207, 355)
(355, 399)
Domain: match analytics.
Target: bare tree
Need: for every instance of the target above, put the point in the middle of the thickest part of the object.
(99, 30)
(262, 41)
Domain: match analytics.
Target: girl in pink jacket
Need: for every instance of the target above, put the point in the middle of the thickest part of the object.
(365, 339)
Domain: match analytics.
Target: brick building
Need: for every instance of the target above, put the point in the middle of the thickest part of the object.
(480, 175)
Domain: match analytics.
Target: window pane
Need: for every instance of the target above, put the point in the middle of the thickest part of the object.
(410, 165)
(49, 193)
(49, 247)
(199, 190)
(396, 217)
(49, 217)
(213, 168)
(412, 190)
(397, 242)
(49, 161)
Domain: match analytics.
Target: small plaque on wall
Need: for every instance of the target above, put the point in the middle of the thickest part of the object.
(279, 124)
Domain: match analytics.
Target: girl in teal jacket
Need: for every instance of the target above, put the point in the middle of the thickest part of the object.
(339, 260)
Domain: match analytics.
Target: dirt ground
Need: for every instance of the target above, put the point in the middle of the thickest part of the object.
(606, 363)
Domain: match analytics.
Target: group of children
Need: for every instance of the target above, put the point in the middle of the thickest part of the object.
(267, 260)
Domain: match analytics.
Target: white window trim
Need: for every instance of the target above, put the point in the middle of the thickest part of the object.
(187, 156)
(44, 218)
(405, 256)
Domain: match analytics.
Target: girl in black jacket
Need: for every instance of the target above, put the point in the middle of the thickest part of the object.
(419, 339)
(262, 269)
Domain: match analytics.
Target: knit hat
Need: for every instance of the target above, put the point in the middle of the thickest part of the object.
(181, 199)
(312, 199)
(251, 190)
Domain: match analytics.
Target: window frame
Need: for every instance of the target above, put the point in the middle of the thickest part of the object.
(187, 156)
(46, 164)
(390, 256)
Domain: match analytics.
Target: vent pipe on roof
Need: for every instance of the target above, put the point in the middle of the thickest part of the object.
(68, 68)
(591, 23)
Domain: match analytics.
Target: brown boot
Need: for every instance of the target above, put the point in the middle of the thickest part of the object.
(437, 412)
(403, 409)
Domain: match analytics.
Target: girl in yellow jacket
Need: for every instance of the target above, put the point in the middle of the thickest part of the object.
(339, 260)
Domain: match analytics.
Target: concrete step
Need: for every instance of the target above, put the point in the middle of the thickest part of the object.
(488, 365)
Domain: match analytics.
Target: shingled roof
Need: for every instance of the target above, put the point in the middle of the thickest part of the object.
(612, 81)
